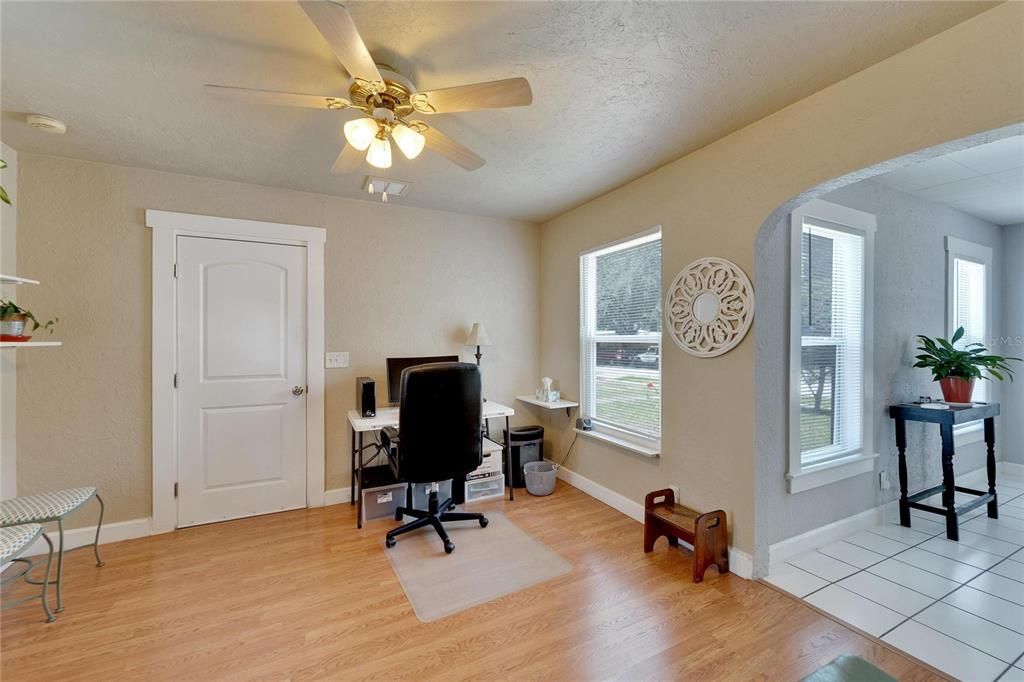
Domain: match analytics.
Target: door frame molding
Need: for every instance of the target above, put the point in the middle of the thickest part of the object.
(167, 227)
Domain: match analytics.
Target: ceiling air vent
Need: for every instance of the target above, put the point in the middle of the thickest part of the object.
(386, 187)
(46, 124)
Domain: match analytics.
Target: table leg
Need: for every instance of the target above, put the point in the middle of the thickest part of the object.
(990, 442)
(948, 492)
(352, 479)
(508, 458)
(357, 481)
(901, 446)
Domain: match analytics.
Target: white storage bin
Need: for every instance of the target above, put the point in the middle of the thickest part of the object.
(491, 461)
(492, 487)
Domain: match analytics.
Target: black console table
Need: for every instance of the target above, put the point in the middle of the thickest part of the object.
(946, 419)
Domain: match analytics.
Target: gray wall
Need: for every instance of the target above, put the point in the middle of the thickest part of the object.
(910, 298)
(1013, 341)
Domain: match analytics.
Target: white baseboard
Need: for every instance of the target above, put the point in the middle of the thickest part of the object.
(1010, 468)
(79, 537)
(337, 495)
(740, 562)
(833, 532)
(819, 537)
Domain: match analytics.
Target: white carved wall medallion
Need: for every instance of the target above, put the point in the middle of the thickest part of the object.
(709, 307)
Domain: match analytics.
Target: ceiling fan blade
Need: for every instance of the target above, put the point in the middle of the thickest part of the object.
(511, 92)
(450, 149)
(348, 160)
(288, 99)
(336, 26)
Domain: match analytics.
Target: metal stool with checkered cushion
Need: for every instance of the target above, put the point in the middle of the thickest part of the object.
(47, 507)
(13, 541)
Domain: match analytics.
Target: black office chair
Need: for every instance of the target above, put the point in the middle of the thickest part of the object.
(439, 438)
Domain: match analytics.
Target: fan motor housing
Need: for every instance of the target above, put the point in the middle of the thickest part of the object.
(398, 90)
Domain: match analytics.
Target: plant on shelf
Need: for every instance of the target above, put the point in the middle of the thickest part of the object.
(14, 319)
(957, 369)
(3, 193)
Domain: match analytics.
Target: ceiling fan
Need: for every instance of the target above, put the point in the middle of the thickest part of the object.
(387, 98)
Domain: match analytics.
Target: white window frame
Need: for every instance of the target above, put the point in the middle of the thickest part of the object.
(637, 443)
(801, 476)
(961, 249)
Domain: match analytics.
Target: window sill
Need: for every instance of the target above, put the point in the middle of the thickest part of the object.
(622, 443)
(817, 475)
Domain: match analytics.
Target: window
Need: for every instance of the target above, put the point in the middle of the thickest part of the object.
(830, 345)
(968, 268)
(620, 340)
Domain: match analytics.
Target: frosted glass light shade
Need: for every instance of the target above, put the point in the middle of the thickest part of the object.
(408, 140)
(361, 132)
(379, 153)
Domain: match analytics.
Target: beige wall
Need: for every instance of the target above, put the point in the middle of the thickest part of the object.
(714, 201)
(9, 358)
(398, 281)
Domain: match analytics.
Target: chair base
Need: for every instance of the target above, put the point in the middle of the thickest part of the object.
(435, 516)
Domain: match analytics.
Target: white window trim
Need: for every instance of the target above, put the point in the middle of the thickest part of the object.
(802, 477)
(632, 442)
(965, 250)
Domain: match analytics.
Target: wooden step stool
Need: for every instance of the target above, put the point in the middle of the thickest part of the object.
(706, 532)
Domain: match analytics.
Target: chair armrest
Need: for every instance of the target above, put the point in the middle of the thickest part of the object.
(389, 439)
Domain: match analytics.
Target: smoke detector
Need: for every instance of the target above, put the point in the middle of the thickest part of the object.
(46, 124)
(386, 187)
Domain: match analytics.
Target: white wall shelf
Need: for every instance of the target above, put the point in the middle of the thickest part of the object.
(566, 405)
(29, 344)
(11, 279)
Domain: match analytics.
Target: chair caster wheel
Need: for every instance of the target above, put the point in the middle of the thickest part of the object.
(449, 547)
(484, 522)
(389, 542)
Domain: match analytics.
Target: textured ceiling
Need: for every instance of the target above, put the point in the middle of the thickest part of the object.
(619, 88)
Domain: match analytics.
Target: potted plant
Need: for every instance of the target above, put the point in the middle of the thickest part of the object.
(14, 319)
(957, 370)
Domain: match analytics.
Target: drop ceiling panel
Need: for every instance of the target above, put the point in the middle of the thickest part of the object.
(991, 187)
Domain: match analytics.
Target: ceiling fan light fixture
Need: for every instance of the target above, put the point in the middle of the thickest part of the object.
(361, 132)
(379, 153)
(408, 140)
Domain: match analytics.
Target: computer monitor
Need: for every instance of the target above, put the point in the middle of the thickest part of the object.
(395, 367)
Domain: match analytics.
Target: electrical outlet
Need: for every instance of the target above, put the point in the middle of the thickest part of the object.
(883, 480)
(335, 360)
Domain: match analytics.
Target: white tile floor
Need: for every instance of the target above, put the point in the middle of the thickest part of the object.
(958, 606)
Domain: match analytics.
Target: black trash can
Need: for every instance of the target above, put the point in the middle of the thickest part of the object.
(527, 444)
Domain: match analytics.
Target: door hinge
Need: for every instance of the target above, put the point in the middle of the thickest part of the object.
(175, 379)
(175, 270)
(175, 489)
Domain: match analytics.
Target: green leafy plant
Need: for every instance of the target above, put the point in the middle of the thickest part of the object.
(945, 360)
(3, 193)
(10, 309)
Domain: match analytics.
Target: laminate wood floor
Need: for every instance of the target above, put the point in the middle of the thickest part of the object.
(304, 595)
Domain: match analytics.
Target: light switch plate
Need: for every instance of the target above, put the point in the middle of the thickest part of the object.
(335, 360)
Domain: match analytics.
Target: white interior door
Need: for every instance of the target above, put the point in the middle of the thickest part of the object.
(241, 327)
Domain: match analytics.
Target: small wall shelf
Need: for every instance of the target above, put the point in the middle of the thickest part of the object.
(29, 344)
(11, 279)
(566, 405)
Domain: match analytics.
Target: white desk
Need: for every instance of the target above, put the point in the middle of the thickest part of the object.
(388, 416)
